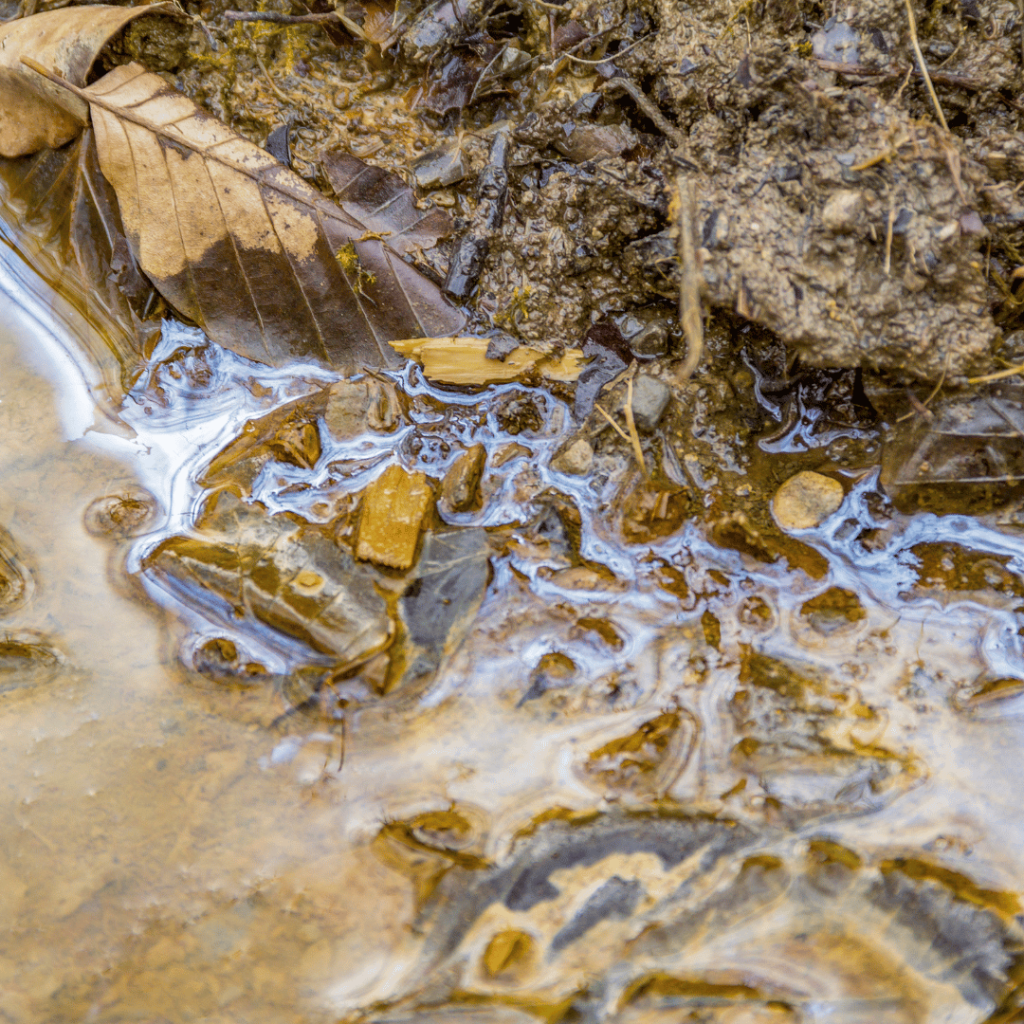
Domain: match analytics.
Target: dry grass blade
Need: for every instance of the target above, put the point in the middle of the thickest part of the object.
(238, 243)
(618, 430)
(989, 378)
(38, 113)
(634, 437)
(689, 281)
(921, 64)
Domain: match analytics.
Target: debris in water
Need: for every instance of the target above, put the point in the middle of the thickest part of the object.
(455, 360)
(965, 456)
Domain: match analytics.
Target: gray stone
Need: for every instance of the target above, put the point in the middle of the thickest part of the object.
(440, 603)
(650, 399)
(440, 168)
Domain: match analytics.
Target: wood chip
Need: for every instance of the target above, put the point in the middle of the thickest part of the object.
(463, 360)
(393, 509)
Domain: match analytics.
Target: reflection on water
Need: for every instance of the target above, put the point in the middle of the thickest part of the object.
(677, 779)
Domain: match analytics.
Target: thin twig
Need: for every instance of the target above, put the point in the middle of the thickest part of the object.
(331, 17)
(889, 221)
(584, 43)
(884, 157)
(921, 64)
(634, 437)
(894, 72)
(279, 93)
(898, 98)
(690, 317)
(548, 7)
(988, 378)
(210, 41)
(618, 430)
(614, 56)
(934, 391)
(647, 108)
(282, 19)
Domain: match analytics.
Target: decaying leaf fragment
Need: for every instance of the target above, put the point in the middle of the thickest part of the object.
(463, 360)
(244, 247)
(384, 203)
(35, 112)
(393, 509)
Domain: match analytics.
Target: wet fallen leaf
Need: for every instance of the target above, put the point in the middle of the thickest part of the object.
(455, 360)
(384, 203)
(35, 112)
(244, 247)
(67, 226)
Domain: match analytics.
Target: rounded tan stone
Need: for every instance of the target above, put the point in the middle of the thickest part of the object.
(806, 500)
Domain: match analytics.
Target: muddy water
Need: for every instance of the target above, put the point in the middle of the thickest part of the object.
(617, 798)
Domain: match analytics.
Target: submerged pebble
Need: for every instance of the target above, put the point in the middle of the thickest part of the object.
(127, 514)
(806, 500)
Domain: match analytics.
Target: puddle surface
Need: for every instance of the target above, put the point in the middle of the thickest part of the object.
(681, 779)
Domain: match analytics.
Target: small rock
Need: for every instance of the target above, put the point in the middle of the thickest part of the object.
(650, 342)
(806, 500)
(451, 578)
(836, 42)
(596, 142)
(461, 486)
(971, 224)
(122, 515)
(842, 211)
(650, 399)
(508, 452)
(26, 659)
(576, 460)
(354, 407)
(440, 168)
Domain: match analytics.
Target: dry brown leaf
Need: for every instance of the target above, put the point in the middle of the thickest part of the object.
(244, 247)
(34, 112)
